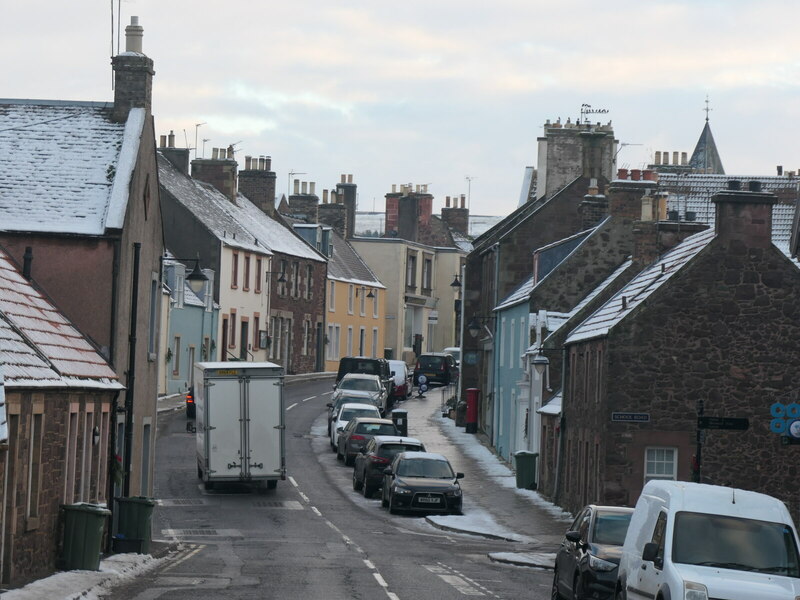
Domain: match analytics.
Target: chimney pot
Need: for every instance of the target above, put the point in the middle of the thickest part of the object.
(214, 153)
(636, 174)
(780, 170)
(622, 173)
(665, 157)
(754, 185)
(296, 186)
(394, 188)
(674, 158)
(463, 201)
(343, 178)
(304, 188)
(171, 139)
(658, 157)
(684, 159)
(324, 196)
(447, 201)
(248, 162)
(311, 187)
(163, 141)
(350, 178)
(133, 36)
(734, 184)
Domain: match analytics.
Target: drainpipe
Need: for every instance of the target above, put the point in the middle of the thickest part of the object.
(126, 488)
(562, 432)
(112, 338)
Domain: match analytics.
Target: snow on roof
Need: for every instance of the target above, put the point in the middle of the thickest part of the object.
(347, 265)
(553, 407)
(518, 295)
(38, 346)
(693, 193)
(640, 287)
(65, 167)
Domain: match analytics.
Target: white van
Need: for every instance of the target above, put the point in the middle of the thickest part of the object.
(691, 541)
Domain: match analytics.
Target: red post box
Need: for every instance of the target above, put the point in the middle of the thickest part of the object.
(472, 410)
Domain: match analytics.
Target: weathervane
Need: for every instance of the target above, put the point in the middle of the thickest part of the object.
(586, 109)
(707, 109)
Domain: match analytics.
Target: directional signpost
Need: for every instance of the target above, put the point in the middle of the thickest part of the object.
(732, 423)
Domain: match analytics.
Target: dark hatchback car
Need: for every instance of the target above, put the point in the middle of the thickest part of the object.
(421, 482)
(353, 438)
(587, 561)
(368, 465)
(368, 365)
(437, 367)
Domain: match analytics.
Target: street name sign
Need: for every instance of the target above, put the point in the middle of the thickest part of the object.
(733, 423)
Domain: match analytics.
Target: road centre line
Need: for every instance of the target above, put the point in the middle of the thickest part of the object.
(381, 581)
(309, 398)
(292, 481)
(291, 407)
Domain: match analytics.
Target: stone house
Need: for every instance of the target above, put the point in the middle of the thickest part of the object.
(81, 209)
(270, 284)
(708, 328)
(57, 398)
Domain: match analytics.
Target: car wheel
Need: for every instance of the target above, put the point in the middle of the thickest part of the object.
(392, 507)
(357, 483)
(620, 595)
(554, 594)
(199, 472)
(384, 502)
(338, 453)
(369, 490)
(349, 460)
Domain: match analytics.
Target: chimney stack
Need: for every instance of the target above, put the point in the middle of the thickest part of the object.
(179, 157)
(347, 191)
(219, 171)
(133, 75)
(257, 183)
(744, 218)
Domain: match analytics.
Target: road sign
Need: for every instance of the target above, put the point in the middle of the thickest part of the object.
(733, 423)
(626, 417)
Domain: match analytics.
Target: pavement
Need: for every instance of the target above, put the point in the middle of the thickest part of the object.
(494, 508)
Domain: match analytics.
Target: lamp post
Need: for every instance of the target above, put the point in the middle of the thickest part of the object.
(456, 285)
(477, 324)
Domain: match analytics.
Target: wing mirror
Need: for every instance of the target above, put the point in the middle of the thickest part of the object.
(650, 552)
(459, 476)
(574, 537)
(329, 405)
(388, 471)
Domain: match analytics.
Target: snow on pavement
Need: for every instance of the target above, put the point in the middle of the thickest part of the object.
(87, 585)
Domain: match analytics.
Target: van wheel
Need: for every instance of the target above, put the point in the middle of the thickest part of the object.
(620, 595)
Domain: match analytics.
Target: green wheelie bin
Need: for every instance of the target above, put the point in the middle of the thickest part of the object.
(134, 517)
(83, 535)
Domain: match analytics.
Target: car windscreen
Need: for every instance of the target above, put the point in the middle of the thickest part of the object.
(431, 362)
(424, 467)
(610, 528)
(363, 385)
(349, 414)
(390, 450)
(377, 428)
(735, 543)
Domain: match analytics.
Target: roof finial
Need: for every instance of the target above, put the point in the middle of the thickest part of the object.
(707, 109)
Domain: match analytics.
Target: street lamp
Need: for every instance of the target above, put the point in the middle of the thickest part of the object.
(370, 295)
(196, 279)
(542, 365)
(281, 277)
(456, 283)
(476, 324)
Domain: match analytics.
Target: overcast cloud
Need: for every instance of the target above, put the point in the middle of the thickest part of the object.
(431, 92)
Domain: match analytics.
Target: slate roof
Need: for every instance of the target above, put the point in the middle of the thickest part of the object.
(3, 419)
(705, 157)
(693, 192)
(640, 287)
(347, 265)
(65, 167)
(38, 347)
(376, 221)
(242, 225)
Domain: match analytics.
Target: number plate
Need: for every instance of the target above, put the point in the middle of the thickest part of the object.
(424, 500)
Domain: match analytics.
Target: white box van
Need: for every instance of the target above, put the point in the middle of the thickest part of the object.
(691, 541)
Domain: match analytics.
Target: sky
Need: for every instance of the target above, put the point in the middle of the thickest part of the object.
(448, 93)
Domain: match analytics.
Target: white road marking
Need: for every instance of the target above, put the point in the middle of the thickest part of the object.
(369, 564)
(309, 398)
(291, 407)
(316, 511)
(304, 497)
(381, 581)
(184, 558)
(292, 481)
(462, 583)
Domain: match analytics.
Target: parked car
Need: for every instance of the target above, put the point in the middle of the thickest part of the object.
(357, 433)
(369, 464)
(348, 411)
(365, 364)
(437, 367)
(347, 398)
(370, 386)
(402, 379)
(421, 482)
(455, 352)
(191, 409)
(696, 541)
(586, 562)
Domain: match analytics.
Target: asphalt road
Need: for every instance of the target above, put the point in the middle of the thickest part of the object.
(311, 538)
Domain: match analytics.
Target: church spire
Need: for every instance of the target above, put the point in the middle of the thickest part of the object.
(705, 158)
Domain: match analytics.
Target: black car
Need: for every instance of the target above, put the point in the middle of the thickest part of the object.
(421, 482)
(369, 464)
(587, 561)
(358, 432)
(438, 368)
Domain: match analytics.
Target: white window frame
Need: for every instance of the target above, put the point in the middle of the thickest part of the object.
(332, 298)
(375, 304)
(349, 341)
(363, 303)
(351, 290)
(648, 475)
(374, 342)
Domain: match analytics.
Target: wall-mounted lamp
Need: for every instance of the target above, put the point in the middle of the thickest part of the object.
(281, 277)
(476, 324)
(370, 295)
(196, 279)
(456, 283)
(542, 365)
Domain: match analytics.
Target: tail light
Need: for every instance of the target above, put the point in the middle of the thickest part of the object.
(189, 399)
(418, 367)
(379, 460)
(355, 436)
